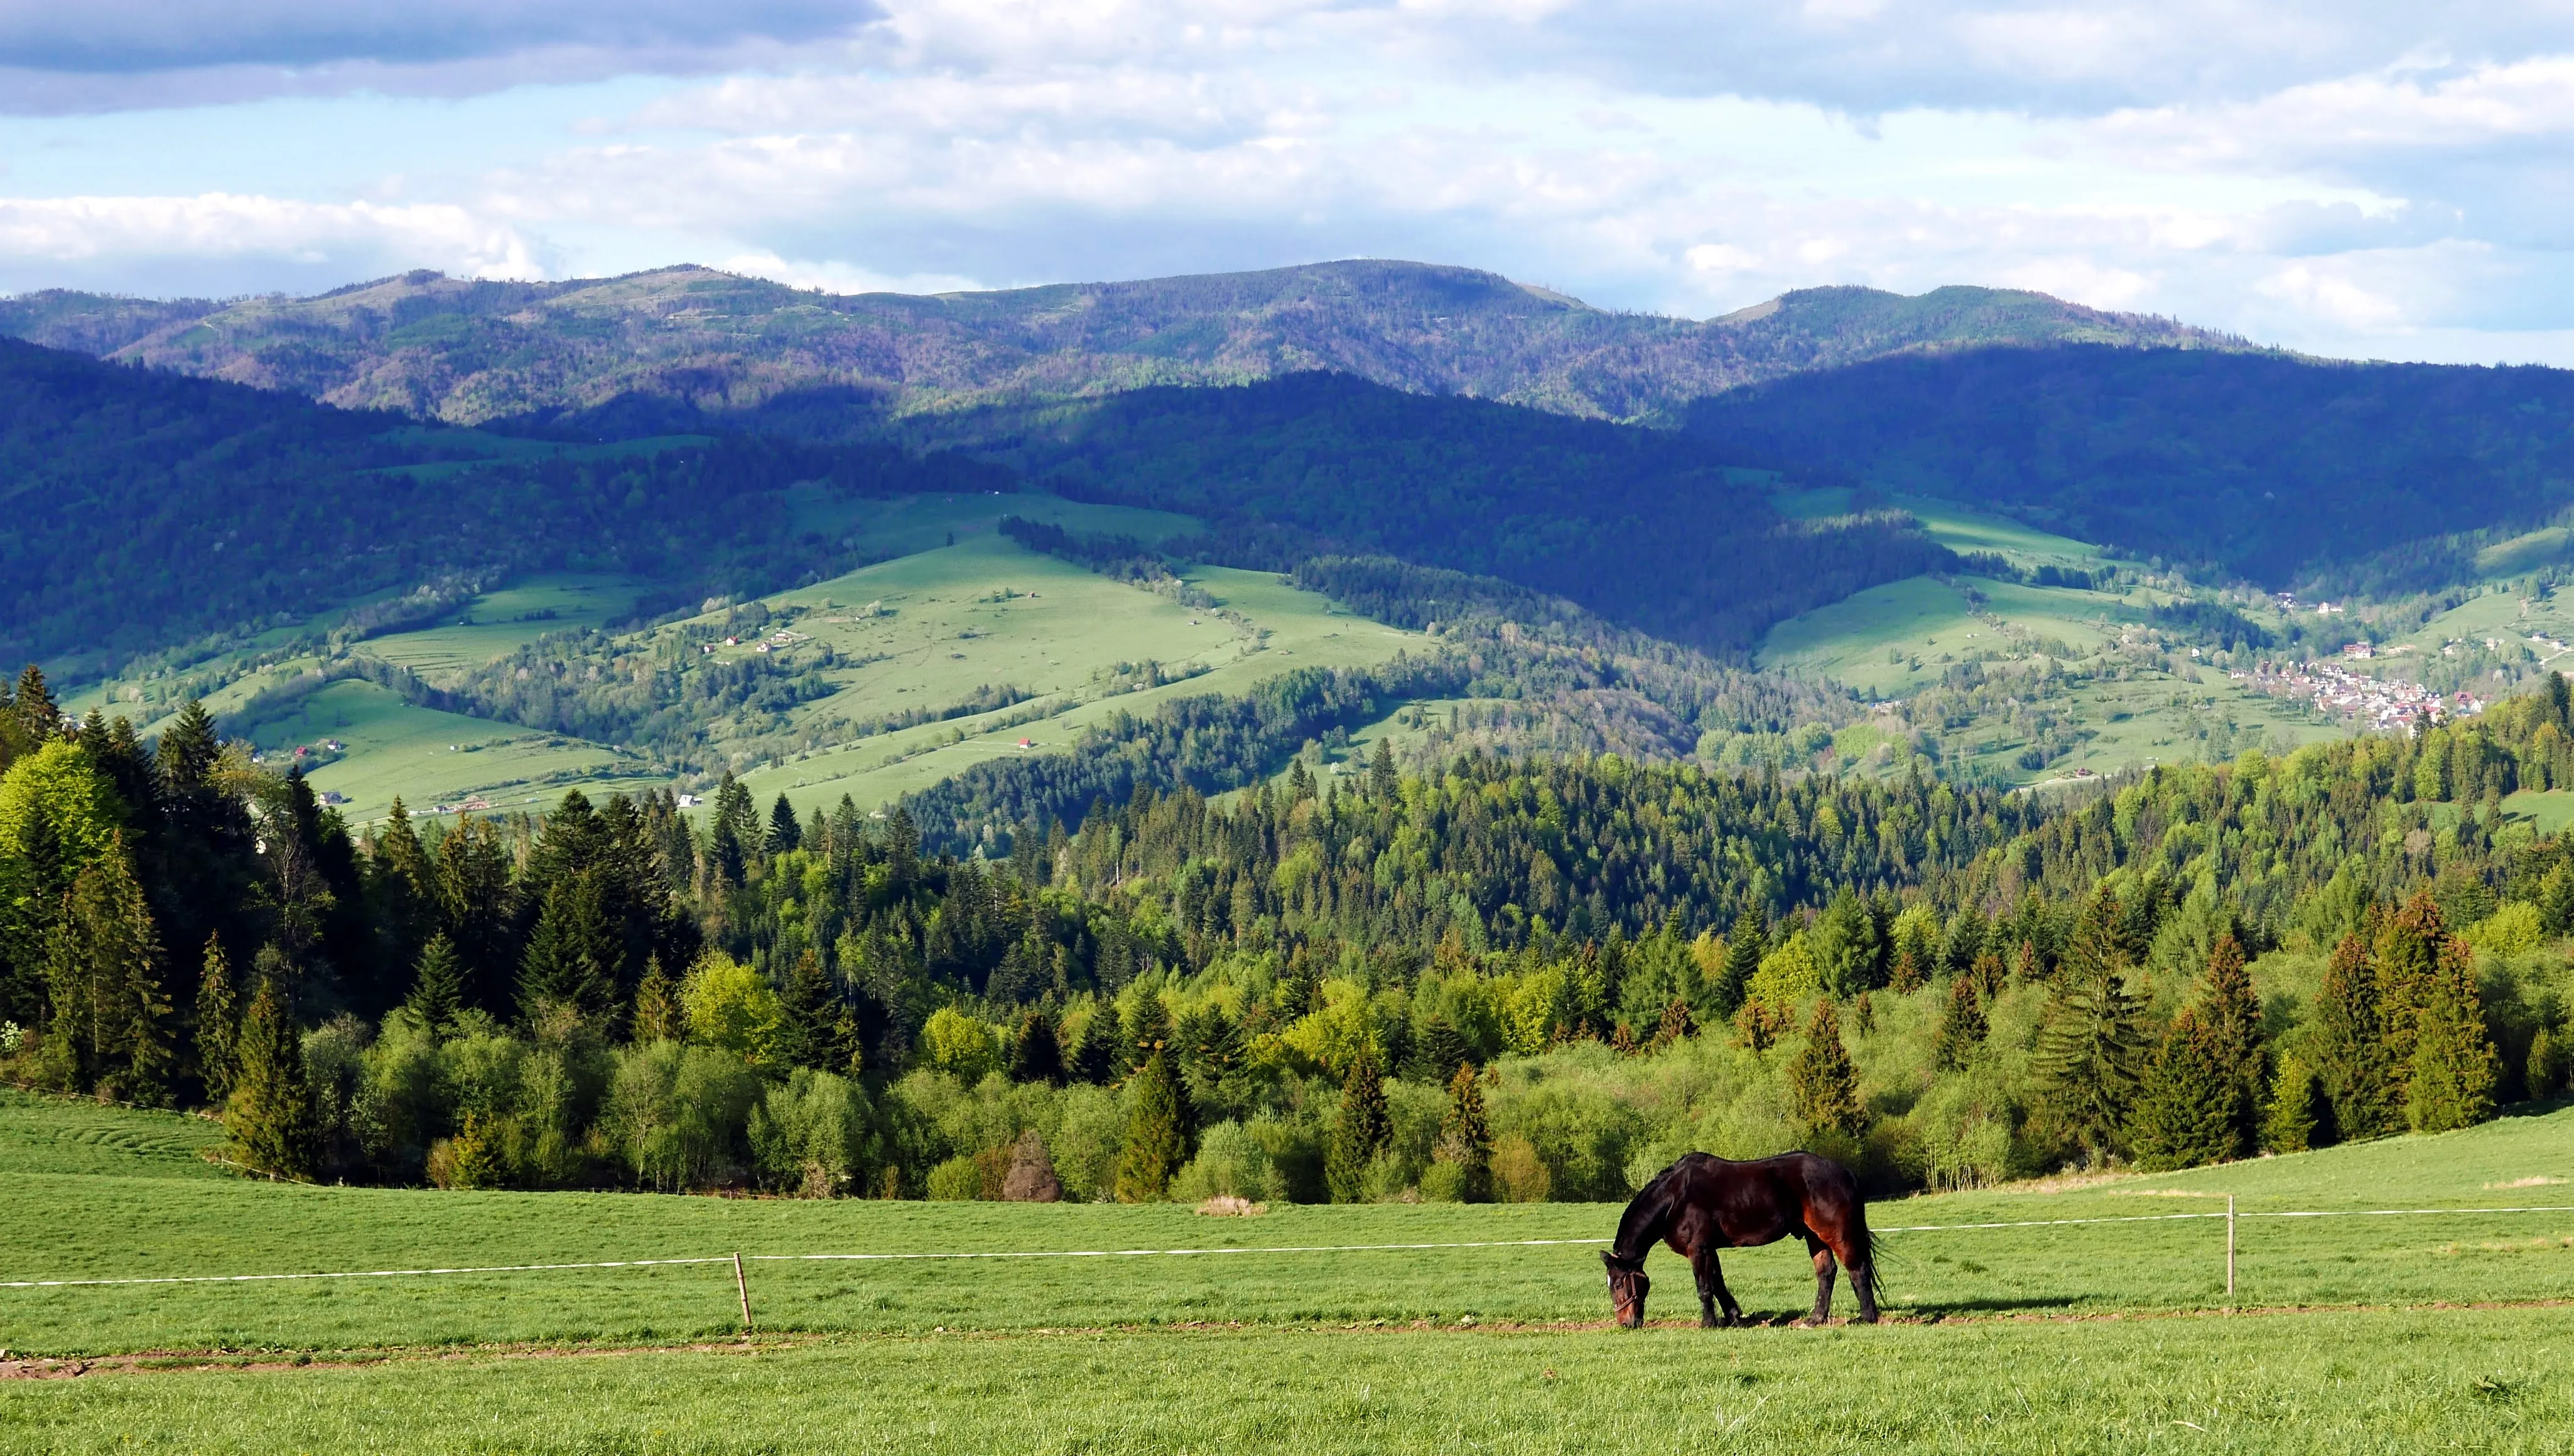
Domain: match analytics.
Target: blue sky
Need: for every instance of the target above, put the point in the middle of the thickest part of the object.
(2354, 178)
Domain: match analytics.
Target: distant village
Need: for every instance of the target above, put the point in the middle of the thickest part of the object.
(2337, 691)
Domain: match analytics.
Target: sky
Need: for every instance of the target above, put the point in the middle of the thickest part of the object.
(2348, 177)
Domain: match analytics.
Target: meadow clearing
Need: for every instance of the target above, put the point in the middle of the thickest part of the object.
(2346, 1333)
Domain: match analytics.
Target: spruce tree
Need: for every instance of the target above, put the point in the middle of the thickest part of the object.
(656, 1006)
(437, 990)
(810, 1017)
(1466, 1138)
(1823, 1085)
(2089, 1055)
(2189, 1108)
(274, 1129)
(1962, 1026)
(1156, 1132)
(1359, 1132)
(2455, 1066)
(2300, 1115)
(1036, 1055)
(1098, 1054)
(1382, 782)
(1148, 1028)
(218, 1023)
(2408, 961)
(784, 833)
(2349, 1045)
(2232, 1013)
(1743, 949)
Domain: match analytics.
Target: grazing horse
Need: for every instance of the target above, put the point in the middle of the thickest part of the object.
(1700, 1204)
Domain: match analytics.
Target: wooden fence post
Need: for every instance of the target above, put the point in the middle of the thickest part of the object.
(2230, 1253)
(742, 1285)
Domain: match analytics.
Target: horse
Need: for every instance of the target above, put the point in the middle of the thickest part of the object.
(1700, 1204)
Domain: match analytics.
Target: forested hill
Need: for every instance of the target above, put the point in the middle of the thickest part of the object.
(2266, 464)
(147, 509)
(1644, 527)
(470, 351)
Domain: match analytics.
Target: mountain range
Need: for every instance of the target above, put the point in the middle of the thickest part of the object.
(471, 352)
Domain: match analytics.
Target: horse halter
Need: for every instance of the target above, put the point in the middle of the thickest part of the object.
(1628, 1285)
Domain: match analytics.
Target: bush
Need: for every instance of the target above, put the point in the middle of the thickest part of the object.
(956, 1180)
(814, 1134)
(1519, 1174)
(1230, 1162)
(729, 1006)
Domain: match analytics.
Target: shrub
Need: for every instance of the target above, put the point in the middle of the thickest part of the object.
(1230, 1162)
(1519, 1174)
(676, 1114)
(956, 1180)
(814, 1134)
(1031, 1176)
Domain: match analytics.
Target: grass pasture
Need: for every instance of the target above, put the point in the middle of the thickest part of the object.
(2353, 1334)
(500, 622)
(985, 610)
(430, 758)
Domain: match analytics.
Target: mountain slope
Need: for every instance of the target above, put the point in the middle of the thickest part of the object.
(1648, 528)
(468, 352)
(147, 508)
(2263, 464)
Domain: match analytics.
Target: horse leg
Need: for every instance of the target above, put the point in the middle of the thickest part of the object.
(1712, 1291)
(1823, 1267)
(1863, 1272)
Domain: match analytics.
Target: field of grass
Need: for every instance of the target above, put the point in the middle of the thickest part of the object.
(498, 622)
(430, 758)
(1962, 530)
(985, 612)
(2001, 1339)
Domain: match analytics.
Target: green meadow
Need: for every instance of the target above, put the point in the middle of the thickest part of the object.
(2346, 1334)
(103, 1193)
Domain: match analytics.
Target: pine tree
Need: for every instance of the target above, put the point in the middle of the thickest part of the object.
(2408, 961)
(2089, 1055)
(561, 966)
(2189, 1110)
(2300, 1115)
(274, 1129)
(1036, 1055)
(2349, 1045)
(1743, 949)
(1359, 1132)
(1095, 1056)
(1148, 1029)
(810, 1017)
(1156, 1132)
(1466, 1138)
(1907, 976)
(1823, 1085)
(438, 990)
(2232, 1013)
(1382, 780)
(1962, 1026)
(2455, 1066)
(218, 1023)
(784, 833)
(1439, 1050)
(656, 1006)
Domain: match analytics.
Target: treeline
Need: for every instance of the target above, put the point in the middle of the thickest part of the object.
(1511, 980)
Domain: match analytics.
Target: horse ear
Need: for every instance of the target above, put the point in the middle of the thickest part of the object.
(1609, 1258)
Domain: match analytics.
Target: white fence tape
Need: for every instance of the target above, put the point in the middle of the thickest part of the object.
(1513, 1243)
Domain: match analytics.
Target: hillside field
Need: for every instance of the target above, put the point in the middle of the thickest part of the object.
(1999, 1340)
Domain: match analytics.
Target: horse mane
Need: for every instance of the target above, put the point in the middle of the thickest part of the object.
(1645, 1216)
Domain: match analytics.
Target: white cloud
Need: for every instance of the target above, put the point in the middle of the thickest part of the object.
(221, 225)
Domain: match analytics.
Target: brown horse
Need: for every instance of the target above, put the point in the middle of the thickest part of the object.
(1700, 1204)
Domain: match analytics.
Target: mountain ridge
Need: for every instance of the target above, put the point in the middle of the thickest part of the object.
(474, 352)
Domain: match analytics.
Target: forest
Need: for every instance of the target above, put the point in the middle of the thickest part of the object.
(1505, 979)
(179, 509)
(2263, 464)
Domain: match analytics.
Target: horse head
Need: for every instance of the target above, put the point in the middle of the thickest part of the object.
(1627, 1287)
